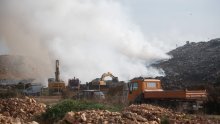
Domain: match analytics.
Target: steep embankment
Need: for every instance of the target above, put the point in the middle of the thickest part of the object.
(193, 64)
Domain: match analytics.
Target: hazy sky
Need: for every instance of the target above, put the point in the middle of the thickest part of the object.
(92, 37)
(176, 21)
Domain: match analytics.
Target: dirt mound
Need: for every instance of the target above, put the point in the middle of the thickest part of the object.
(134, 114)
(152, 113)
(9, 120)
(193, 64)
(23, 109)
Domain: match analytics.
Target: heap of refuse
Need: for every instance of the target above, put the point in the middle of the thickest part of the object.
(14, 109)
(134, 114)
(193, 64)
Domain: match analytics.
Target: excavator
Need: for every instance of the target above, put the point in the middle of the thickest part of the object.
(101, 84)
(102, 81)
(147, 90)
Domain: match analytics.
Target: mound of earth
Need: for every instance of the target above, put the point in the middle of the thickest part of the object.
(134, 114)
(193, 64)
(15, 110)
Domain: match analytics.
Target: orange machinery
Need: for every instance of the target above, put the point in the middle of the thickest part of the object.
(56, 86)
(145, 90)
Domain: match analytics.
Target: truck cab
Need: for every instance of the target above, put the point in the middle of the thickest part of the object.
(138, 85)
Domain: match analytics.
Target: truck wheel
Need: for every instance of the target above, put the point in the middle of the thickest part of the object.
(139, 99)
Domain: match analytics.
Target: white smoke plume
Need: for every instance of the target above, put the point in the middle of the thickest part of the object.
(89, 37)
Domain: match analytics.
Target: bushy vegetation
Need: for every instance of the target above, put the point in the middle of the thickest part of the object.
(58, 111)
(165, 120)
(9, 94)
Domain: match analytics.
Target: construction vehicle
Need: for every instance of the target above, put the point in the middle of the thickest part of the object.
(104, 85)
(102, 81)
(74, 84)
(142, 90)
(56, 86)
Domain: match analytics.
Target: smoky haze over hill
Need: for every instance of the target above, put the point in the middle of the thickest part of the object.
(88, 37)
(18, 68)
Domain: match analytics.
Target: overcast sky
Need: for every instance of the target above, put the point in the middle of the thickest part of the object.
(169, 23)
(176, 21)
(87, 36)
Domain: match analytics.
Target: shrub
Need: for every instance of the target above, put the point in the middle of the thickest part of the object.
(165, 120)
(58, 111)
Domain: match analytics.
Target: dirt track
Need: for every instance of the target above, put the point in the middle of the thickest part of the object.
(49, 100)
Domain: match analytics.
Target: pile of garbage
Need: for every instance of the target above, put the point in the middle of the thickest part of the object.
(192, 64)
(16, 109)
(134, 114)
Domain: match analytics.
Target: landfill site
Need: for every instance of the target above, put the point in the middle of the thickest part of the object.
(147, 100)
(109, 62)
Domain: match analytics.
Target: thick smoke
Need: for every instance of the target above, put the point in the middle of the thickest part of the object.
(88, 37)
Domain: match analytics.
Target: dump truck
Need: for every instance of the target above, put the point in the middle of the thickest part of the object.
(145, 90)
(56, 86)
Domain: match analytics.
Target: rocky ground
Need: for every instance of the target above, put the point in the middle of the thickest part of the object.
(19, 111)
(135, 114)
(24, 111)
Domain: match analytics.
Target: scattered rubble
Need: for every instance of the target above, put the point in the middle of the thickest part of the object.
(134, 114)
(102, 117)
(22, 111)
(9, 120)
(19, 110)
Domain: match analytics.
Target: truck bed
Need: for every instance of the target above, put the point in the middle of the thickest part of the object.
(176, 94)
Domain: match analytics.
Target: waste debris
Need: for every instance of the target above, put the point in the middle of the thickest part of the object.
(19, 110)
(134, 114)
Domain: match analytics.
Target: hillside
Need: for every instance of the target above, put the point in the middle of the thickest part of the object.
(193, 64)
(14, 67)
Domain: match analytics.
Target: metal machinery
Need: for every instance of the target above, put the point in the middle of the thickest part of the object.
(143, 90)
(56, 86)
(74, 84)
(101, 84)
(102, 81)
